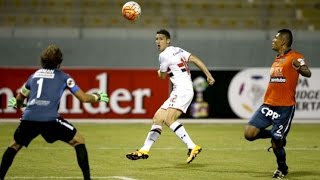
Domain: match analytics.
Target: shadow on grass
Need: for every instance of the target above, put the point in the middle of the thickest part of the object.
(292, 175)
(214, 168)
(299, 174)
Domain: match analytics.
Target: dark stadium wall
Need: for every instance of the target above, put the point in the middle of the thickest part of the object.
(142, 53)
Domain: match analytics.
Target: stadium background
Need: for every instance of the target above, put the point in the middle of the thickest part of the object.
(229, 35)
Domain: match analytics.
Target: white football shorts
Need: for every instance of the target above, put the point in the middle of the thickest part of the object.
(179, 99)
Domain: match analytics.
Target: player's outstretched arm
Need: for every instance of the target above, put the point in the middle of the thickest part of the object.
(203, 68)
(90, 98)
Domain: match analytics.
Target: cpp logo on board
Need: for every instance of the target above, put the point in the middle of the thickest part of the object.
(246, 91)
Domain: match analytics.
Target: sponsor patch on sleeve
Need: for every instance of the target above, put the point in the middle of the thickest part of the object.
(301, 61)
(70, 83)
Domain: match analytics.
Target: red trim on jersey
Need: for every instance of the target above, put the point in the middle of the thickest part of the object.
(181, 64)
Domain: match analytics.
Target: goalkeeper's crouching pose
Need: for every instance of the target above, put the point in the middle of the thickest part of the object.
(43, 90)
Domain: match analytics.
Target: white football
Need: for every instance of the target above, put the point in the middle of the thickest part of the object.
(131, 10)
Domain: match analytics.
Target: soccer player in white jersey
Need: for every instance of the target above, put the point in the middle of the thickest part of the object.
(173, 61)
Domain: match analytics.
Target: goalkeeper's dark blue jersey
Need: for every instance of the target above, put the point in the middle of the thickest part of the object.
(46, 88)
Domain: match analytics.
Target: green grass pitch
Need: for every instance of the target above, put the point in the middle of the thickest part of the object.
(226, 154)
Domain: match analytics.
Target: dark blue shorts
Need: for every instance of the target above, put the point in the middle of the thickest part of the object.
(280, 117)
(51, 131)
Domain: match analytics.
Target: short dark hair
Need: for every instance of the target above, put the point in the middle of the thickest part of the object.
(51, 57)
(164, 32)
(287, 34)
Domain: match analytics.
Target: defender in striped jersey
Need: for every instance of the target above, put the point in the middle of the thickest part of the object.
(279, 100)
(174, 62)
(43, 90)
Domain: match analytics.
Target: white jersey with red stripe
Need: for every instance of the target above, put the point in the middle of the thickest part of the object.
(173, 60)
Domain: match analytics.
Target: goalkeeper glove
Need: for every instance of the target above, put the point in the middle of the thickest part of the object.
(12, 102)
(101, 96)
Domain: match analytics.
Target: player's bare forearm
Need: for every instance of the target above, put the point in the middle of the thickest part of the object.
(203, 68)
(91, 98)
(84, 97)
(305, 71)
(162, 75)
(20, 100)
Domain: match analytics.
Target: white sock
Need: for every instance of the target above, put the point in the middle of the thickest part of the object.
(153, 135)
(182, 134)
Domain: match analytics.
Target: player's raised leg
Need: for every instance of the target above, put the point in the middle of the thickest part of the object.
(256, 127)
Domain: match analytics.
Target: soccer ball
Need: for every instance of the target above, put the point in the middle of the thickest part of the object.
(131, 10)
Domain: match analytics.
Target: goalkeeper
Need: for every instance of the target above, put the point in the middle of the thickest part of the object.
(43, 90)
